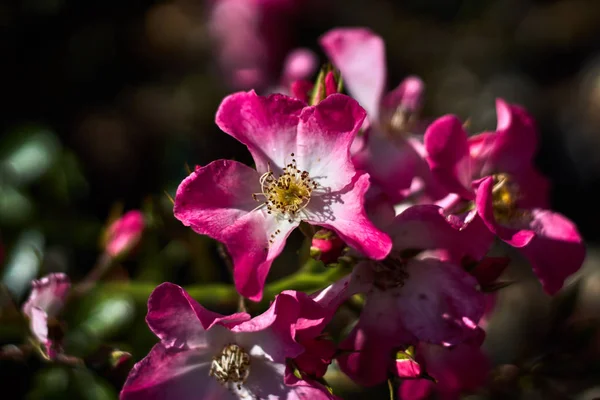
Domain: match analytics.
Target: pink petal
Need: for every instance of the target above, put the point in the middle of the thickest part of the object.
(214, 197)
(344, 213)
(48, 294)
(556, 252)
(301, 90)
(439, 302)
(173, 374)
(266, 125)
(448, 155)
(418, 389)
(408, 96)
(248, 244)
(179, 321)
(391, 166)
(304, 389)
(366, 355)
(359, 54)
(299, 64)
(39, 324)
(325, 134)
(267, 380)
(458, 369)
(424, 227)
(516, 139)
(273, 331)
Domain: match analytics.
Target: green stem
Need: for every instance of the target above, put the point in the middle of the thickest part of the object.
(225, 296)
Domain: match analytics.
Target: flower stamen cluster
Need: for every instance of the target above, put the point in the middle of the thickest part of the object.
(505, 198)
(232, 364)
(288, 194)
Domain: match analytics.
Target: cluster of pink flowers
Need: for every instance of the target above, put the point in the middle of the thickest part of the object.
(419, 214)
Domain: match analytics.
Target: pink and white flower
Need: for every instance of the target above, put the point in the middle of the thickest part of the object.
(386, 151)
(303, 173)
(205, 355)
(409, 300)
(45, 302)
(493, 175)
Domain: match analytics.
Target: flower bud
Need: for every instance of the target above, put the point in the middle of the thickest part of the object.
(326, 246)
(124, 234)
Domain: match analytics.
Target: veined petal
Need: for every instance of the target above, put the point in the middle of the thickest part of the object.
(557, 250)
(366, 355)
(266, 125)
(179, 321)
(448, 155)
(273, 331)
(214, 197)
(439, 302)
(424, 227)
(325, 134)
(173, 374)
(359, 54)
(516, 139)
(48, 294)
(344, 213)
(391, 166)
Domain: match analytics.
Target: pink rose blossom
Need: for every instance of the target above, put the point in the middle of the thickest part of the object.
(386, 152)
(409, 300)
(303, 173)
(45, 302)
(124, 234)
(204, 355)
(493, 175)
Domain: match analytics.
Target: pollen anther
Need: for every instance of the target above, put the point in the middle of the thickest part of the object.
(232, 364)
(289, 193)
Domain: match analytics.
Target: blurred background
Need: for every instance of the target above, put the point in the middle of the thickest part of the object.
(105, 103)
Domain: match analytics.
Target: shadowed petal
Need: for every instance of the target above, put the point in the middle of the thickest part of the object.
(448, 155)
(173, 374)
(344, 213)
(325, 134)
(359, 54)
(266, 125)
(179, 321)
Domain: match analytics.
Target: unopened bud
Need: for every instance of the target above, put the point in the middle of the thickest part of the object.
(124, 234)
(326, 246)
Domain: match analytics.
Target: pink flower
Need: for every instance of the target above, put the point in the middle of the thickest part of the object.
(386, 153)
(204, 355)
(303, 173)
(494, 173)
(549, 240)
(45, 302)
(124, 234)
(409, 300)
(457, 369)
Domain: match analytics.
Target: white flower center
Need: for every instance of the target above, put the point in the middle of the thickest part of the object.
(287, 194)
(232, 364)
